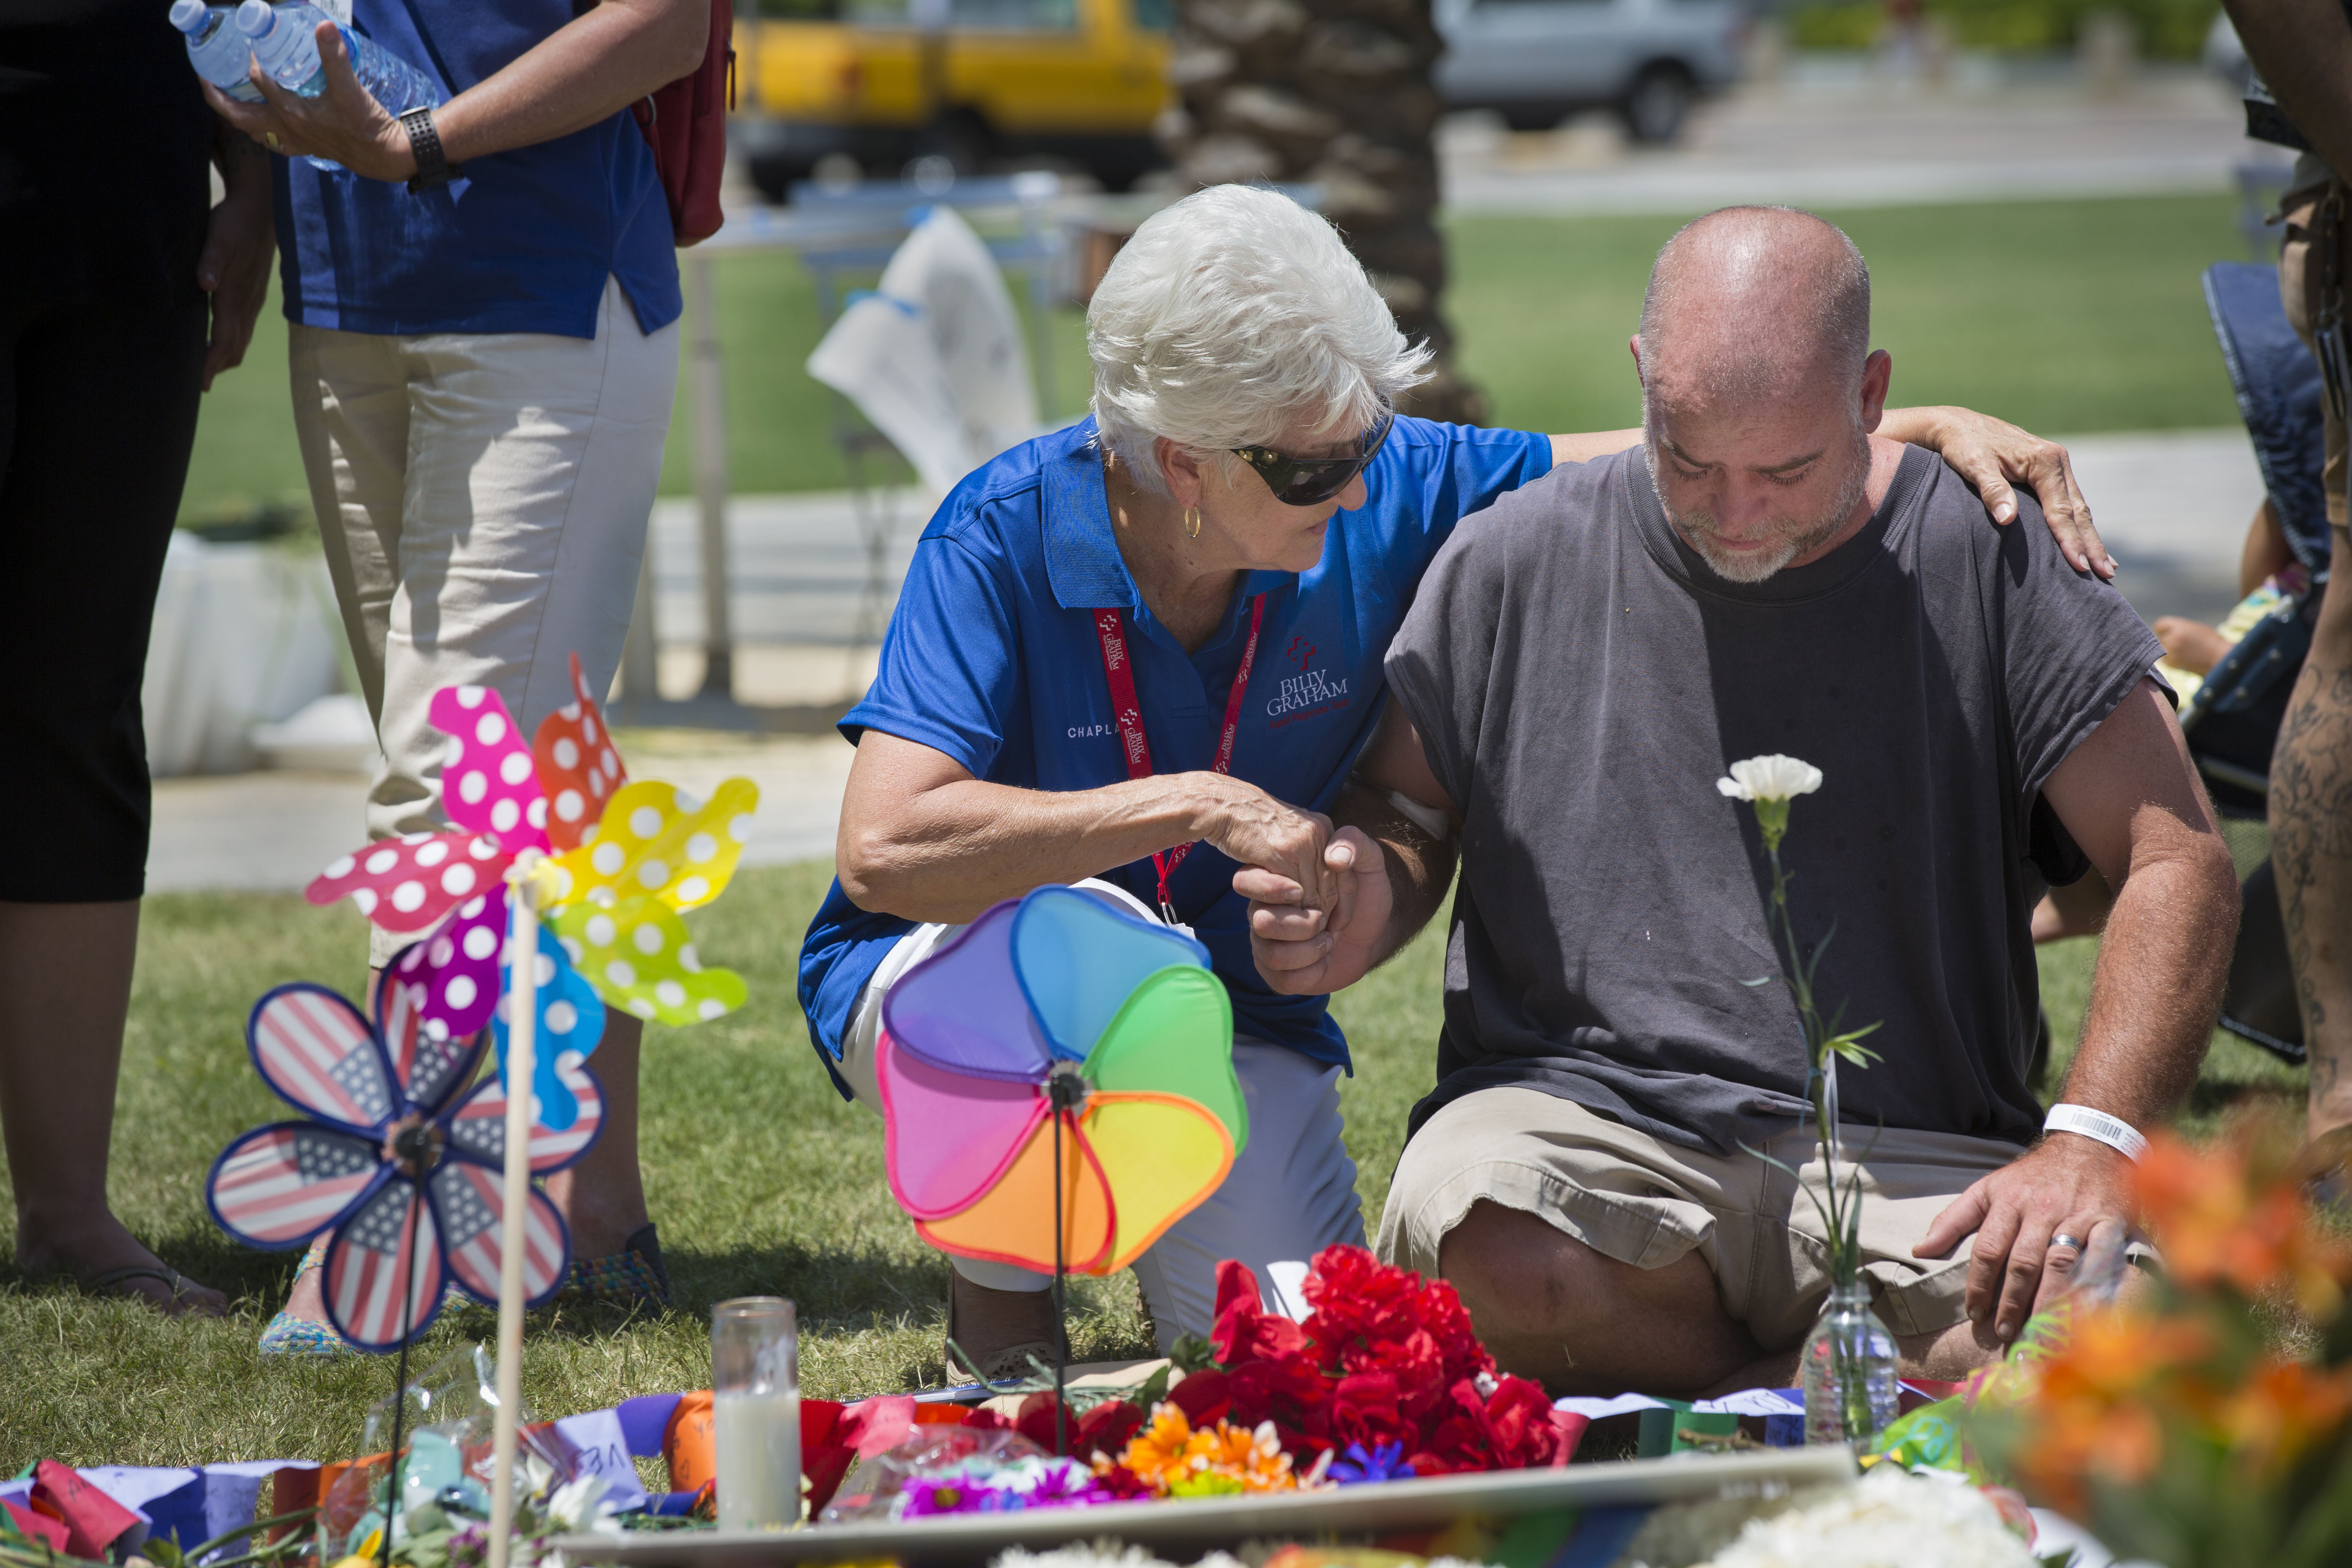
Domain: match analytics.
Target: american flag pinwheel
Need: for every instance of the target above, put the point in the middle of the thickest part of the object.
(626, 858)
(395, 1156)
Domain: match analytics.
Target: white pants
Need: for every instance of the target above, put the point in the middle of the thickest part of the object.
(483, 498)
(1291, 1192)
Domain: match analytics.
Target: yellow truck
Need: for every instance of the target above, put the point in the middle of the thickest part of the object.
(884, 83)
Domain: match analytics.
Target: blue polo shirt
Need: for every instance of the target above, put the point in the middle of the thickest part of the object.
(991, 658)
(522, 243)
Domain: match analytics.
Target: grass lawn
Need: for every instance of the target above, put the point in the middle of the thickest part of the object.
(761, 1178)
(2064, 316)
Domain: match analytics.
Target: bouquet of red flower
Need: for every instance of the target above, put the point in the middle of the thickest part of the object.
(1384, 1380)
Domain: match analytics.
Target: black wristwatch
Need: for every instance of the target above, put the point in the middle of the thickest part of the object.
(432, 168)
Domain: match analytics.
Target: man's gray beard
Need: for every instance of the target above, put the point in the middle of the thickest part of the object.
(1698, 528)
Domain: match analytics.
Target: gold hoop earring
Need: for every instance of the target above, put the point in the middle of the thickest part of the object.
(1192, 523)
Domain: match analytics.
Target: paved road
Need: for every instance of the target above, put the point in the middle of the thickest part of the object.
(2173, 508)
(1838, 137)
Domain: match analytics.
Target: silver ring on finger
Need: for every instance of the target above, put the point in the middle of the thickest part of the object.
(2063, 1240)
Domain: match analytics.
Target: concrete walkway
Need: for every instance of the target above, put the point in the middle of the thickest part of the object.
(275, 830)
(2173, 508)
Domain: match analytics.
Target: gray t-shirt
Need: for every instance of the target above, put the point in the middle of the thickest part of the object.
(1581, 679)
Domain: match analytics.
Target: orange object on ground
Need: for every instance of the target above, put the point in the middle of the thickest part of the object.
(687, 1443)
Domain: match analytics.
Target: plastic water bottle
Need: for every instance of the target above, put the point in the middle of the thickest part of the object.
(285, 40)
(216, 48)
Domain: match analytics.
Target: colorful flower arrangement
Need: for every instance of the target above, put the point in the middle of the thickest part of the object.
(1384, 1380)
(977, 1485)
(2206, 1421)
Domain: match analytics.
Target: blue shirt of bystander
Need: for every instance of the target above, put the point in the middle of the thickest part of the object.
(522, 243)
(993, 658)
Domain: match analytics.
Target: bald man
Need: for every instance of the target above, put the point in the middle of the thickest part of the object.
(1582, 662)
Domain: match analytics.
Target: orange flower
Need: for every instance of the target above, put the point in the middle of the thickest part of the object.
(1168, 1450)
(2111, 1354)
(2193, 1200)
(2077, 1440)
(1253, 1459)
(2280, 1411)
(2091, 1414)
(2219, 1221)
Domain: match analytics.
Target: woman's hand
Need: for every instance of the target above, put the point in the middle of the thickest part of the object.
(1252, 827)
(1993, 455)
(344, 122)
(239, 241)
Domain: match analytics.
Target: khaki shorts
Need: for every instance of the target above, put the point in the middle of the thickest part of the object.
(1642, 1201)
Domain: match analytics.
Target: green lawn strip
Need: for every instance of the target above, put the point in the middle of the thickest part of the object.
(763, 1181)
(2067, 317)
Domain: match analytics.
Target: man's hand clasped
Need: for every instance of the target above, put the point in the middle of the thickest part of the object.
(344, 122)
(1305, 946)
(2036, 1220)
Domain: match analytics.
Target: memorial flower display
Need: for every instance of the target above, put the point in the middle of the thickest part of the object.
(1384, 1380)
(2205, 1420)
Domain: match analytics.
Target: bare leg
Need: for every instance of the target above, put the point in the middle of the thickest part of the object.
(602, 1198)
(1550, 1308)
(2191, 645)
(65, 991)
(2311, 848)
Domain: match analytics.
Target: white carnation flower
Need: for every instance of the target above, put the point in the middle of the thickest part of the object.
(1919, 1522)
(1775, 777)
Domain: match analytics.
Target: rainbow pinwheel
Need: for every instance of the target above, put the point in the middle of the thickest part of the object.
(627, 858)
(1058, 986)
(397, 1157)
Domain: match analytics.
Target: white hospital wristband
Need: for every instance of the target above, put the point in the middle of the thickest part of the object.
(2120, 1136)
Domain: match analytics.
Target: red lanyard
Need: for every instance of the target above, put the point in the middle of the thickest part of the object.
(1110, 629)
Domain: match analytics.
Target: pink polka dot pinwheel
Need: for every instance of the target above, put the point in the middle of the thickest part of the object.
(1126, 1015)
(395, 1156)
(627, 858)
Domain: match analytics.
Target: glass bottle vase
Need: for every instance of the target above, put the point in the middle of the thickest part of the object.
(1848, 1371)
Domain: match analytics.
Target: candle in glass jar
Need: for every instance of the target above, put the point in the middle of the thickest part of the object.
(755, 1410)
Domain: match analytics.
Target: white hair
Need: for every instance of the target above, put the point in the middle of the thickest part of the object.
(1229, 315)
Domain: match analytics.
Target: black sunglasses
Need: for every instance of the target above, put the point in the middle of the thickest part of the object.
(1304, 481)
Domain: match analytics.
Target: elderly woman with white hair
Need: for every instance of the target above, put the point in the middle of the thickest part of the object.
(1245, 373)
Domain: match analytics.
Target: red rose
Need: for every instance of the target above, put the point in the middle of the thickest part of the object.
(1203, 1396)
(1357, 1299)
(1105, 1429)
(1511, 1429)
(1413, 1361)
(1289, 1389)
(1236, 1286)
(1301, 1445)
(1448, 1321)
(1244, 1330)
(1364, 1410)
(1520, 1417)
(1036, 1421)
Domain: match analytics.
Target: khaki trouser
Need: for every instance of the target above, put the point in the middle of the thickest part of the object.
(483, 499)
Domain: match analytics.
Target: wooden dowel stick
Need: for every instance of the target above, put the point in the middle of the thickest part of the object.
(522, 1024)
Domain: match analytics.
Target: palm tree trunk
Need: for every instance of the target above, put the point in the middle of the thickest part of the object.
(1336, 92)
